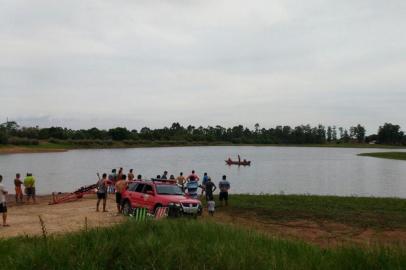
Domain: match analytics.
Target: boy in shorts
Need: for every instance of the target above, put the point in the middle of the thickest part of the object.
(121, 185)
(102, 192)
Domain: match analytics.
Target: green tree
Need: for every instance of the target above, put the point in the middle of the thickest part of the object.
(390, 134)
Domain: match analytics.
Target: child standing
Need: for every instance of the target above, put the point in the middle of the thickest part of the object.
(211, 205)
(19, 191)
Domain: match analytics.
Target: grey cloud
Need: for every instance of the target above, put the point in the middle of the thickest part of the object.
(135, 63)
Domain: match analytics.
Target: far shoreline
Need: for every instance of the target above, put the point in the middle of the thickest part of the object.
(46, 147)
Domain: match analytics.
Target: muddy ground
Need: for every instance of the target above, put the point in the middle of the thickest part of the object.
(73, 216)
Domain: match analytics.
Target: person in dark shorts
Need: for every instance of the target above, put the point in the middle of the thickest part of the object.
(102, 192)
(210, 187)
(224, 186)
(29, 184)
(121, 185)
(3, 205)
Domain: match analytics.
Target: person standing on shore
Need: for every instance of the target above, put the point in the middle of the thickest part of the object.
(19, 191)
(224, 186)
(112, 179)
(130, 175)
(3, 205)
(102, 185)
(204, 181)
(193, 177)
(181, 181)
(29, 184)
(121, 185)
(211, 205)
(210, 187)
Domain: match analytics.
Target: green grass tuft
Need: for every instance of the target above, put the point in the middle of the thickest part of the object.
(185, 244)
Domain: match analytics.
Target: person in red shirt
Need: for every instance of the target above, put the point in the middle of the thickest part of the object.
(193, 177)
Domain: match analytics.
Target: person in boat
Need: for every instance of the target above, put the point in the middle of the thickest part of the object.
(139, 177)
(172, 178)
(244, 161)
(239, 159)
(165, 175)
(229, 160)
(102, 186)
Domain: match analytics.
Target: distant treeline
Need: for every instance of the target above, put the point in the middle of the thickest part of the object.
(12, 133)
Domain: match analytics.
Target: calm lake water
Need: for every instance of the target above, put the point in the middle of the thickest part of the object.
(288, 170)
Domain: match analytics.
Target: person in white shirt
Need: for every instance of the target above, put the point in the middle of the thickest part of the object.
(3, 206)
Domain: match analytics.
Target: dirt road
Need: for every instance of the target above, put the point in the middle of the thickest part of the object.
(59, 218)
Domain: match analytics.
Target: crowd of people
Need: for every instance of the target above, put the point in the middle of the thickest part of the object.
(116, 183)
(29, 188)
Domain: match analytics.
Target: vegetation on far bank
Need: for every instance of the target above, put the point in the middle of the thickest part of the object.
(387, 155)
(388, 213)
(186, 244)
(176, 134)
(61, 145)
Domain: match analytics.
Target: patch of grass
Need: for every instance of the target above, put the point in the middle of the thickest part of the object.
(185, 244)
(388, 155)
(354, 211)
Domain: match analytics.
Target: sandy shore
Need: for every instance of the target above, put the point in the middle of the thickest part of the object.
(58, 218)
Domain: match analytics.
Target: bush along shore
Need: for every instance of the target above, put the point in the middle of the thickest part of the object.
(185, 244)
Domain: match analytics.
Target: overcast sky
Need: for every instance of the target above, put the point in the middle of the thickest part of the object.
(81, 64)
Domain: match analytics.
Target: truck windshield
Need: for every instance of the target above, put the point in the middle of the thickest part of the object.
(168, 190)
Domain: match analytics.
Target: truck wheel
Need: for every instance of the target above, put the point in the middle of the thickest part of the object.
(127, 209)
